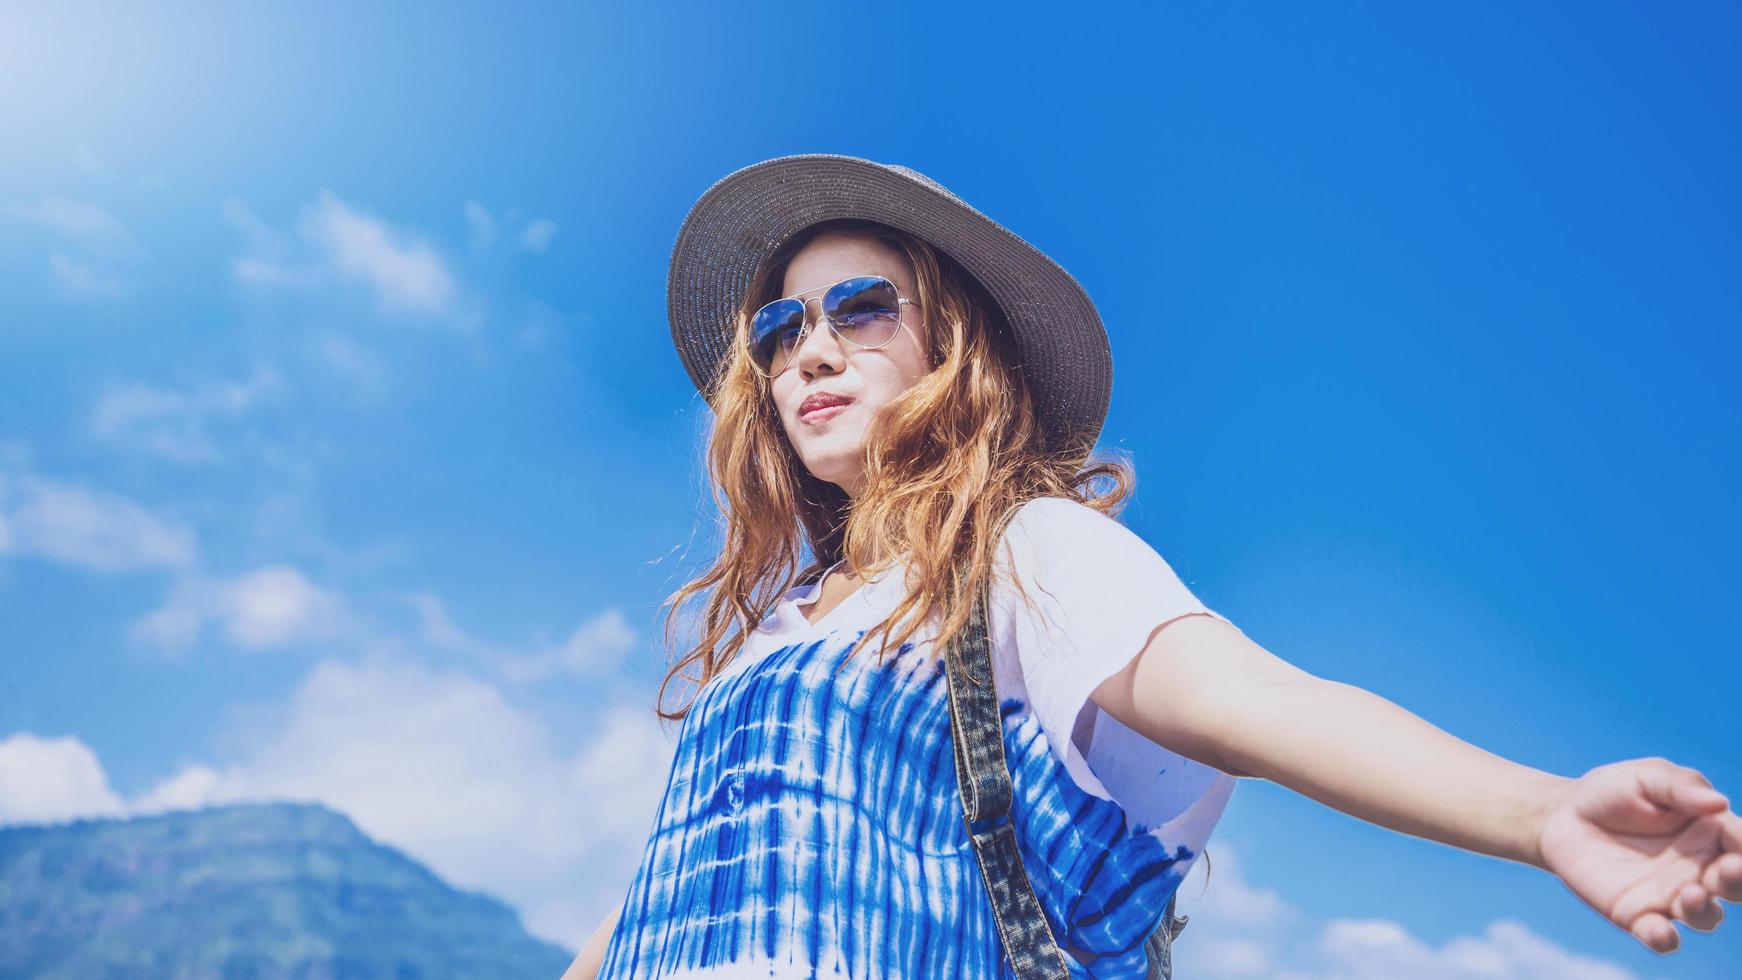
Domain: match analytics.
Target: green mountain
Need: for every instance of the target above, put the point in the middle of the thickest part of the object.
(284, 890)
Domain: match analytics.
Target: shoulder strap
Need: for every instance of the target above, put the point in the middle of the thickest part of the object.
(977, 731)
(984, 778)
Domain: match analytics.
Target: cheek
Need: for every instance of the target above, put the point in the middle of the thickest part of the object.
(783, 397)
(912, 366)
(915, 362)
(920, 367)
(887, 380)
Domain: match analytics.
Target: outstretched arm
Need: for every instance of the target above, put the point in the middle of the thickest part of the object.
(1642, 841)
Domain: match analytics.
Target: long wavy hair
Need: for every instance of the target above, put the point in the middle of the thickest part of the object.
(947, 462)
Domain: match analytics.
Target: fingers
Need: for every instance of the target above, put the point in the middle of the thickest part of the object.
(1722, 877)
(1656, 932)
(1730, 826)
(1698, 909)
(1678, 787)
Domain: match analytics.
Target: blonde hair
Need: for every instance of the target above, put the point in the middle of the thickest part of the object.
(946, 463)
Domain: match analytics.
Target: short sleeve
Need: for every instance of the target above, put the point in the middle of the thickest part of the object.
(1098, 592)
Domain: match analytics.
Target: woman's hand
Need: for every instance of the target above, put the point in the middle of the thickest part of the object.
(1645, 842)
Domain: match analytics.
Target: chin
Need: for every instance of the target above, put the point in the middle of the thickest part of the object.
(829, 470)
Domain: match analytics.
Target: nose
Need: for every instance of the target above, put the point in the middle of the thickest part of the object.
(819, 347)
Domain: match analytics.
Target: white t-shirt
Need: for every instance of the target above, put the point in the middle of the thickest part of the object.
(811, 822)
(1101, 591)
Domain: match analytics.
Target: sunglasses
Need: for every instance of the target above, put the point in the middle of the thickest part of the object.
(864, 311)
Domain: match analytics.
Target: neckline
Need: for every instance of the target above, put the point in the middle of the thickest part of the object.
(791, 620)
(808, 592)
(815, 591)
(787, 624)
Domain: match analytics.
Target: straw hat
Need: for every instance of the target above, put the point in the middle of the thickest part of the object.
(746, 215)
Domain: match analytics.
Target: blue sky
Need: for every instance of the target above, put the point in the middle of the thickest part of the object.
(343, 451)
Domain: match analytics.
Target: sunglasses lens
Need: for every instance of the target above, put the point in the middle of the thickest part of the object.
(773, 332)
(865, 310)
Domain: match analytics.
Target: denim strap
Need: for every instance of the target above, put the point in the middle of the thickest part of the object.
(984, 778)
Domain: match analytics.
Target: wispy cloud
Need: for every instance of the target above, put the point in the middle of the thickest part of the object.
(352, 362)
(78, 222)
(525, 233)
(1239, 929)
(268, 608)
(482, 223)
(86, 527)
(536, 235)
(1379, 949)
(405, 272)
(592, 649)
(337, 242)
(178, 425)
(90, 246)
(80, 279)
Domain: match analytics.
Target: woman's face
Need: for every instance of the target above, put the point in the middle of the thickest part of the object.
(831, 442)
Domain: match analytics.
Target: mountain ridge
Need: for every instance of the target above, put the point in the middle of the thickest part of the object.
(244, 890)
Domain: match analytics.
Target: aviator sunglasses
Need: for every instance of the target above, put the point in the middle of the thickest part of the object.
(864, 311)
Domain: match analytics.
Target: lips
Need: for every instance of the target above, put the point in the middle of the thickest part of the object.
(821, 405)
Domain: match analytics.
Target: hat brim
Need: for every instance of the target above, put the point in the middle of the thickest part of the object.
(748, 214)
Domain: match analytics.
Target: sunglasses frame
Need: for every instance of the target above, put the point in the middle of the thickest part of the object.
(809, 324)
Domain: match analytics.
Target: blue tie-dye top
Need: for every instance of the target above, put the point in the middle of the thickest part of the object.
(811, 825)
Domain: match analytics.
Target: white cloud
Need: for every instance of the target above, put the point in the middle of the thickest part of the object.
(564, 921)
(49, 780)
(190, 789)
(404, 273)
(86, 527)
(1220, 888)
(527, 234)
(483, 224)
(1239, 930)
(177, 425)
(353, 362)
(443, 766)
(437, 629)
(536, 236)
(266, 258)
(1379, 949)
(1233, 958)
(261, 272)
(81, 279)
(172, 627)
(593, 649)
(79, 222)
(90, 244)
(272, 607)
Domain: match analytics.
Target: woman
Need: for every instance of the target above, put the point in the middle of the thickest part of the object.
(929, 442)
